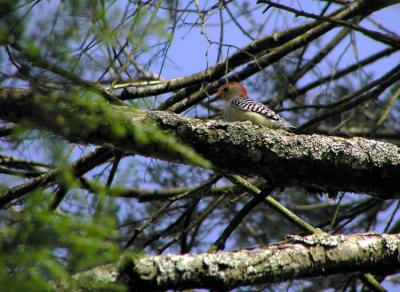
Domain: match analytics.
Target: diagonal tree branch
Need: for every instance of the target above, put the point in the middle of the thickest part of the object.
(295, 258)
(384, 38)
(321, 162)
(340, 73)
(36, 60)
(284, 42)
(362, 8)
(81, 166)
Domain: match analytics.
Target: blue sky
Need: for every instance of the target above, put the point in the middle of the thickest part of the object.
(190, 51)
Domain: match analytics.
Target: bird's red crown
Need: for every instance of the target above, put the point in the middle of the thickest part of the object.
(242, 88)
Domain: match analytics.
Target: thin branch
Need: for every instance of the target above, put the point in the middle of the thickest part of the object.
(340, 73)
(6, 131)
(68, 75)
(235, 60)
(381, 37)
(349, 102)
(80, 166)
(219, 244)
(260, 63)
(275, 205)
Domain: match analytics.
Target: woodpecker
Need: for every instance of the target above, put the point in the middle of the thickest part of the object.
(239, 107)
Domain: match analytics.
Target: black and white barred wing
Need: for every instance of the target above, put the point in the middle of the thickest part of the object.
(250, 105)
(269, 117)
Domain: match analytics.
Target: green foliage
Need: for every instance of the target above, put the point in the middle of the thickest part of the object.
(11, 23)
(96, 114)
(42, 247)
(3, 34)
(31, 49)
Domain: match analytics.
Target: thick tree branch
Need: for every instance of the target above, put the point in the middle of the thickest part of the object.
(326, 163)
(295, 258)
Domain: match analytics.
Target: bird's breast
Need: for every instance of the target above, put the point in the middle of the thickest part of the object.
(237, 115)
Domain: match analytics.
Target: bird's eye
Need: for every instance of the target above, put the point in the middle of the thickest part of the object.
(225, 89)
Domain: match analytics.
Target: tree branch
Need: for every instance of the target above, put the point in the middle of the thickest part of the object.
(295, 258)
(384, 38)
(285, 42)
(180, 101)
(320, 162)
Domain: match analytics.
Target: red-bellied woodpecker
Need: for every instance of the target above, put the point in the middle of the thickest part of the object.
(239, 107)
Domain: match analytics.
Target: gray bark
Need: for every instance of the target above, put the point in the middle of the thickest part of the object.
(295, 258)
(313, 161)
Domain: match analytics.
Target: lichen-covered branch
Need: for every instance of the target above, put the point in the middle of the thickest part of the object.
(295, 258)
(321, 162)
